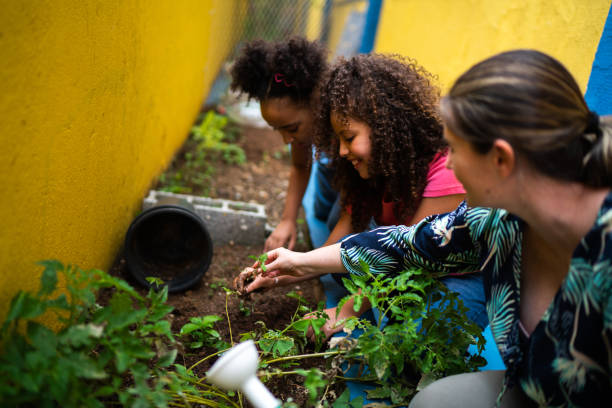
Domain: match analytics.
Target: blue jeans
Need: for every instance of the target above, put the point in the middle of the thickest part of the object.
(327, 200)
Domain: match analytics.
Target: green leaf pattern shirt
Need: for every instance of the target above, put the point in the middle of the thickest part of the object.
(567, 359)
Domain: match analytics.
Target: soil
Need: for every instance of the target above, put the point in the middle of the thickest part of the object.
(262, 179)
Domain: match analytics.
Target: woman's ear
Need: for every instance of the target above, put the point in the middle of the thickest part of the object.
(504, 158)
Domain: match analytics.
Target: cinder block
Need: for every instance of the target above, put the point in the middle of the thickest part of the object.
(227, 221)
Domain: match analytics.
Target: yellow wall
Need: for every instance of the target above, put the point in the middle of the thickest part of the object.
(315, 19)
(339, 14)
(95, 97)
(449, 36)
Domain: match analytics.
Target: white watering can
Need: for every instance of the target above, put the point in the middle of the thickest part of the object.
(235, 370)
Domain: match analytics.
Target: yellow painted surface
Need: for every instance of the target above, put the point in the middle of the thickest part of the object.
(340, 12)
(95, 98)
(315, 19)
(449, 36)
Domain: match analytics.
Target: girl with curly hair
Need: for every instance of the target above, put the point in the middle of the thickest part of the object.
(378, 122)
(283, 76)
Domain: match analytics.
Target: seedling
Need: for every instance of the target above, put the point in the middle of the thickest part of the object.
(245, 310)
(201, 331)
(249, 274)
(220, 283)
(261, 259)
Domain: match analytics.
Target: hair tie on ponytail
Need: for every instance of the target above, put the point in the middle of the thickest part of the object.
(593, 124)
(280, 78)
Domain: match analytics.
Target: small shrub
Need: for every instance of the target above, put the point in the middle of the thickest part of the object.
(119, 353)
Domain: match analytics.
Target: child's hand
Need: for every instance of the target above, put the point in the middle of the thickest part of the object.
(284, 235)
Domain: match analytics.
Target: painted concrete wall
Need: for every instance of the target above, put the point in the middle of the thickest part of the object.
(339, 18)
(599, 87)
(95, 97)
(448, 36)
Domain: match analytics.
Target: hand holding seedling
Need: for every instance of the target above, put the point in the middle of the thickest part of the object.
(250, 279)
(303, 265)
(282, 267)
(244, 279)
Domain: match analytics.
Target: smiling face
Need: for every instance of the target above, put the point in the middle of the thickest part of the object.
(292, 121)
(354, 141)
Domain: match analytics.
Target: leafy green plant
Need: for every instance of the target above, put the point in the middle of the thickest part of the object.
(123, 352)
(218, 284)
(118, 353)
(201, 330)
(262, 258)
(426, 336)
(211, 139)
(244, 309)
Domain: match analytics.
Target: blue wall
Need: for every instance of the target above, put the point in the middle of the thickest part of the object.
(599, 89)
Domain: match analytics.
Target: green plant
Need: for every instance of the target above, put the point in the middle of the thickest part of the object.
(122, 351)
(426, 337)
(118, 353)
(210, 137)
(218, 284)
(201, 330)
(245, 310)
(262, 258)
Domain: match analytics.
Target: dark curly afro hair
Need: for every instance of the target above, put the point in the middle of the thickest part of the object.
(290, 68)
(397, 99)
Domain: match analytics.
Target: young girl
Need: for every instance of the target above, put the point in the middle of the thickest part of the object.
(283, 77)
(378, 123)
(526, 146)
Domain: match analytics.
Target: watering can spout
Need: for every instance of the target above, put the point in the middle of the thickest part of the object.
(236, 368)
(258, 394)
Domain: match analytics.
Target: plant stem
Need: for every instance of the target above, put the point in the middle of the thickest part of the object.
(324, 393)
(380, 318)
(197, 363)
(228, 319)
(201, 400)
(302, 356)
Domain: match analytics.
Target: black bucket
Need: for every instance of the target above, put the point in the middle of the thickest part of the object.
(170, 242)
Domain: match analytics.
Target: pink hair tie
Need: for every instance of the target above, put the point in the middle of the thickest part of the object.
(280, 78)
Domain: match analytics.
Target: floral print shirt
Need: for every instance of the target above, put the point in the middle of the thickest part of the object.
(567, 359)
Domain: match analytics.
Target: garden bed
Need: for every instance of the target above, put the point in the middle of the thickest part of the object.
(262, 179)
(253, 166)
(116, 345)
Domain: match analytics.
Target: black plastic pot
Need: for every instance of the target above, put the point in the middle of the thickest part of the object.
(171, 242)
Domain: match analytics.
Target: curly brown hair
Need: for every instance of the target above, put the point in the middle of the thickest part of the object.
(290, 68)
(398, 100)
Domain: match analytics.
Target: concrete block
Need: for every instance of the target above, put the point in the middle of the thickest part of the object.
(227, 221)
